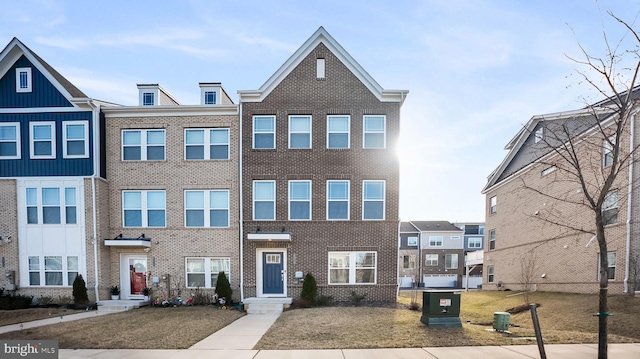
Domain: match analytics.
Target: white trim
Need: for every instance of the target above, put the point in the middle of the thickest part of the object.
(52, 124)
(207, 143)
(384, 131)
(65, 140)
(253, 200)
(384, 200)
(125, 276)
(310, 132)
(17, 141)
(348, 132)
(207, 207)
(259, 274)
(144, 209)
(253, 132)
(348, 199)
(126, 243)
(352, 268)
(29, 87)
(320, 68)
(435, 239)
(165, 111)
(269, 237)
(289, 200)
(207, 271)
(143, 144)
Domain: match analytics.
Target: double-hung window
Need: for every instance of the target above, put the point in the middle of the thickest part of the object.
(475, 242)
(144, 208)
(75, 135)
(607, 151)
(206, 208)
(264, 200)
(203, 272)
(338, 129)
(374, 134)
(43, 139)
(431, 260)
(451, 261)
(56, 271)
(352, 267)
(492, 239)
(338, 200)
(299, 200)
(23, 79)
(44, 205)
(206, 144)
(408, 262)
(264, 132)
(435, 241)
(9, 140)
(373, 200)
(299, 131)
(611, 265)
(493, 201)
(610, 208)
(412, 241)
(490, 274)
(143, 145)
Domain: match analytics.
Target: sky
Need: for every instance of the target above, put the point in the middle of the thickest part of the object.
(477, 70)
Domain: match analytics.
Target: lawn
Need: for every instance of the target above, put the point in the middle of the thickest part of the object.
(564, 318)
(144, 328)
(8, 317)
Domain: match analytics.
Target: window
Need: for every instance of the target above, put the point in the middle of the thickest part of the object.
(451, 261)
(34, 270)
(611, 265)
(144, 208)
(210, 97)
(215, 203)
(454, 237)
(412, 241)
(548, 170)
(23, 79)
(607, 151)
(264, 200)
(610, 208)
(374, 132)
(43, 139)
(9, 140)
(203, 272)
(435, 241)
(143, 145)
(338, 132)
(431, 260)
(216, 140)
(492, 239)
(352, 267)
(299, 200)
(490, 274)
(264, 132)
(539, 135)
(299, 131)
(70, 210)
(75, 135)
(337, 200)
(148, 99)
(475, 242)
(408, 262)
(492, 204)
(44, 205)
(72, 269)
(373, 200)
(320, 68)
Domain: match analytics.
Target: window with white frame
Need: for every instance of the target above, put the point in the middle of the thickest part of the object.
(52, 270)
(264, 132)
(374, 134)
(75, 139)
(264, 200)
(144, 208)
(539, 135)
(210, 98)
(435, 241)
(44, 205)
(320, 68)
(299, 200)
(9, 140)
(299, 131)
(42, 139)
(206, 208)
(607, 151)
(408, 262)
(492, 239)
(431, 260)
(373, 200)
(24, 82)
(610, 208)
(143, 145)
(148, 99)
(611, 265)
(412, 241)
(451, 261)
(493, 201)
(206, 144)
(338, 200)
(474, 242)
(490, 275)
(204, 272)
(352, 267)
(338, 129)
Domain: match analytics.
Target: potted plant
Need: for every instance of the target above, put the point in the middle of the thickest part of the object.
(146, 291)
(115, 292)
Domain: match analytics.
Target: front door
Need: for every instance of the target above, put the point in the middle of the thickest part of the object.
(133, 276)
(273, 273)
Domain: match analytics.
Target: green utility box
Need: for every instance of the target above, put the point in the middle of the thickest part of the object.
(441, 308)
(501, 321)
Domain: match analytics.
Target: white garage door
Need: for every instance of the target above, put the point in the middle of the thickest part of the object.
(440, 280)
(405, 282)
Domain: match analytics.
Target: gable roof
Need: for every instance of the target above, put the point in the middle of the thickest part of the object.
(407, 227)
(322, 36)
(435, 226)
(15, 49)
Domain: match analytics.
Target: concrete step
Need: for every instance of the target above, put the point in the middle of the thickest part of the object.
(266, 305)
(114, 306)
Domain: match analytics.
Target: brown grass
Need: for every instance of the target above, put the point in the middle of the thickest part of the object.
(144, 328)
(8, 317)
(564, 318)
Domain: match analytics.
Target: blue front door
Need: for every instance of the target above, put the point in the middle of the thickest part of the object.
(272, 273)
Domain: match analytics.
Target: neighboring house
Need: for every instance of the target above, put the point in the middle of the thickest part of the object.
(320, 178)
(442, 254)
(473, 253)
(519, 220)
(409, 256)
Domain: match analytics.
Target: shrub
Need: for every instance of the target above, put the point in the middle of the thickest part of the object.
(324, 300)
(15, 302)
(223, 288)
(309, 288)
(80, 296)
(357, 298)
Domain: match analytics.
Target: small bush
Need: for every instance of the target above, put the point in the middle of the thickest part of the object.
(300, 304)
(200, 297)
(414, 306)
(15, 302)
(223, 288)
(324, 300)
(356, 298)
(64, 300)
(309, 288)
(80, 296)
(44, 301)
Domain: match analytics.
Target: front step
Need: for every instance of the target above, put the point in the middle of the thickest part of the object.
(114, 306)
(266, 305)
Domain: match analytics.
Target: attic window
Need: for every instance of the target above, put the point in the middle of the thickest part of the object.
(320, 67)
(539, 135)
(210, 98)
(148, 99)
(23, 79)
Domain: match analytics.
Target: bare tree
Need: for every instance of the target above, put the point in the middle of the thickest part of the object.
(528, 269)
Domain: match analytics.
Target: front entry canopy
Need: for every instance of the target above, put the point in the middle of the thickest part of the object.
(120, 241)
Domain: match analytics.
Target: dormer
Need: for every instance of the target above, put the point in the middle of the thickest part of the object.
(154, 95)
(212, 93)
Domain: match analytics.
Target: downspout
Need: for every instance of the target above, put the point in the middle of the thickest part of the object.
(240, 205)
(399, 243)
(96, 165)
(630, 196)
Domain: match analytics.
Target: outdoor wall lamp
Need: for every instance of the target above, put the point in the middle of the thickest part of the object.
(141, 236)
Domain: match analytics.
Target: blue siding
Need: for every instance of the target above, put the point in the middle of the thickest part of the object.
(25, 167)
(43, 93)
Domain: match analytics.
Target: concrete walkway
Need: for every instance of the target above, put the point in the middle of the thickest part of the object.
(244, 333)
(52, 320)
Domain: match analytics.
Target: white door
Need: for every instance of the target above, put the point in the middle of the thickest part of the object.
(133, 276)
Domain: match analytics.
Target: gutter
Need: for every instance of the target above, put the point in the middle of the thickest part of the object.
(630, 196)
(240, 212)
